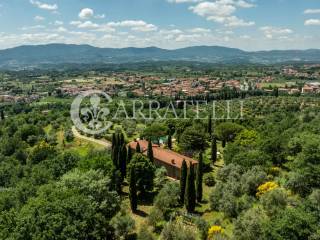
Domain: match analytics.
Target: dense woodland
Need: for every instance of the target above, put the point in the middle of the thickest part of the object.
(257, 178)
(263, 185)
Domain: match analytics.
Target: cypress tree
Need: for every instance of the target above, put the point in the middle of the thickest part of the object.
(170, 141)
(119, 158)
(209, 124)
(183, 179)
(276, 92)
(116, 180)
(123, 161)
(213, 150)
(190, 195)
(224, 142)
(129, 155)
(150, 151)
(114, 155)
(121, 139)
(138, 149)
(113, 140)
(2, 115)
(199, 177)
(115, 150)
(133, 191)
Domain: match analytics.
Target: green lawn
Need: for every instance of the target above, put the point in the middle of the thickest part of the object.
(80, 146)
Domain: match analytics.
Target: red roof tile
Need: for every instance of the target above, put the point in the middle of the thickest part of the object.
(164, 155)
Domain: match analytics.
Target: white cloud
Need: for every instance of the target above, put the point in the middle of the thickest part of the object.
(311, 11)
(26, 28)
(39, 18)
(45, 6)
(210, 9)
(244, 4)
(177, 39)
(61, 29)
(40, 37)
(222, 11)
(100, 16)
(275, 32)
(88, 24)
(86, 13)
(312, 22)
(169, 34)
(245, 37)
(135, 25)
(200, 30)
(172, 31)
(75, 23)
(105, 28)
(234, 21)
(58, 23)
(224, 32)
(188, 38)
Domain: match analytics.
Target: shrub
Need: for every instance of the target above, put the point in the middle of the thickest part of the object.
(177, 230)
(229, 205)
(145, 234)
(266, 187)
(215, 232)
(249, 226)
(298, 184)
(155, 217)
(252, 179)
(209, 180)
(168, 198)
(275, 171)
(291, 223)
(203, 228)
(68, 135)
(215, 196)
(160, 178)
(274, 201)
(144, 171)
(229, 171)
(123, 224)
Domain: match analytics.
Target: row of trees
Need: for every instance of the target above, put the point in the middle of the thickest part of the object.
(191, 179)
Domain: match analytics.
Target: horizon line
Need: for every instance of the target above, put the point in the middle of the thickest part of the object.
(191, 46)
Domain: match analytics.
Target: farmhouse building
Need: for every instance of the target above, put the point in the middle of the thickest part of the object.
(171, 160)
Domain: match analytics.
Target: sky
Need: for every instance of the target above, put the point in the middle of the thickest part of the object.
(246, 24)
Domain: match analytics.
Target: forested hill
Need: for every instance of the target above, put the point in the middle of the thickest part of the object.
(37, 55)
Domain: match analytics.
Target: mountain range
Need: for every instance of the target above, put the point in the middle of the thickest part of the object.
(53, 54)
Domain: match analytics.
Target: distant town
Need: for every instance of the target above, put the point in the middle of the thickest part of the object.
(288, 80)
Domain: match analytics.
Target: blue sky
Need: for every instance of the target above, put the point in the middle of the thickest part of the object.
(245, 24)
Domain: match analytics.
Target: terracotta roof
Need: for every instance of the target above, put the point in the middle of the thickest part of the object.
(164, 155)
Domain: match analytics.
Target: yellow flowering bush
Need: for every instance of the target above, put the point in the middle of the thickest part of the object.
(214, 231)
(266, 187)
